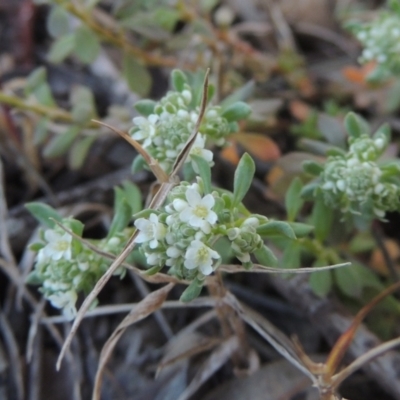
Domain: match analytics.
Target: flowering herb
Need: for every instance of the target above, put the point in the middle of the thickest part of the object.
(380, 39)
(357, 182)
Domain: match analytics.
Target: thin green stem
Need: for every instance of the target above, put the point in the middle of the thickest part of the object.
(53, 113)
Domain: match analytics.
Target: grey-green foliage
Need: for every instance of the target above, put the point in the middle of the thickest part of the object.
(357, 182)
(65, 266)
(380, 39)
(165, 126)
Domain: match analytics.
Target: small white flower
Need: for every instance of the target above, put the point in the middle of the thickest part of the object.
(197, 211)
(368, 54)
(151, 230)
(198, 255)
(187, 95)
(147, 129)
(341, 184)
(199, 150)
(58, 246)
(329, 185)
(252, 221)
(173, 253)
(66, 301)
(379, 143)
(153, 258)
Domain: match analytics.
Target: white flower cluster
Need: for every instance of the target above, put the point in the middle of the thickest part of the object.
(381, 41)
(182, 235)
(164, 132)
(356, 183)
(65, 268)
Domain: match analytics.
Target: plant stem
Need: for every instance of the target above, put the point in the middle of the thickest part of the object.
(52, 113)
(117, 38)
(230, 322)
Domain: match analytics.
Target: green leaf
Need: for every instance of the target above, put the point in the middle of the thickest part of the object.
(293, 201)
(266, 257)
(87, 45)
(300, 229)
(321, 282)
(178, 80)
(36, 78)
(61, 143)
(308, 190)
(41, 132)
(138, 164)
(145, 24)
(43, 213)
(204, 171)
(276, 228)
(348, 281)
(332, 129)
(154, 270)
(241, 94)
(166, 17)
(83, 105)
(144, 213)
(291, 255)
(223, 247)
(137, 76)
(75, 226)
(61, 48)
(236, 111)
(58, 22)
(394, 5)
(312, 167)
(79, 151)
(145, 107)
(243, 178)
(356, 125)
(33, 278)
(192, 291)
(133, 196)
(322, 217)
(385, 131)
(43, 95)
(122, 213)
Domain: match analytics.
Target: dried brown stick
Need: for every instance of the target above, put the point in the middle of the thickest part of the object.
(331, 319)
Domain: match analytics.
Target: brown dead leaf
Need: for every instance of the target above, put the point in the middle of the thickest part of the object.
(377, 261)
(318, 12)
(147, 306)
(186, 345)
(260, 146)
(215, 361)
(300, 110)
(358, 75)
(274, 381)
(285, 169)
(230, 153)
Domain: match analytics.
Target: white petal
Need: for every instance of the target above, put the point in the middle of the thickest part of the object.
(186, 215)
(190, 263)
(139, 120)
(179, 204)
(173, 252)
(205, 227)
(141, 238)
(212, 217)
(206, 269)
(208, 201)
(193, 197)
(142, 224)
(153, 118)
